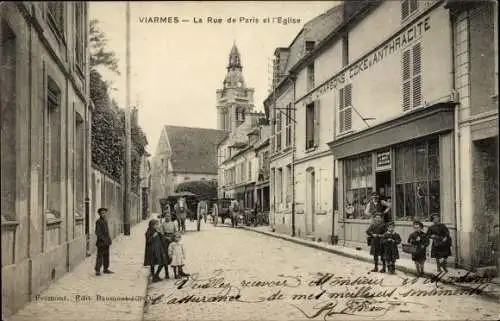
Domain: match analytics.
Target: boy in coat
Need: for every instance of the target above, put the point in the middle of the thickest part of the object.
(103, 242)
(375, 232)
(390, 241)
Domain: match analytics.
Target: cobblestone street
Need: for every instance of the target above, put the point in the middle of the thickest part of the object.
(242, 275)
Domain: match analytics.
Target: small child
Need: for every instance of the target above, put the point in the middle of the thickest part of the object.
(419, 239)
(177, 255)
(390, 241)
(168, 230)
(154, 253)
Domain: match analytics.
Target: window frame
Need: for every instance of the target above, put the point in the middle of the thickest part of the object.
(408, 9)
(350, 166)
(80, 11)
(310, 76)
(310, 112)
(57, 23)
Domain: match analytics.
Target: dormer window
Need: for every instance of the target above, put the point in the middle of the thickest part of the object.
(309, 46)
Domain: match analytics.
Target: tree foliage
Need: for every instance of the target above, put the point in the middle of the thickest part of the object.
(108, 119)
(205, 189)
(100, 56)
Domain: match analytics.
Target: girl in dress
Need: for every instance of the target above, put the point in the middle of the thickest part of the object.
(168, 230)
(178, 256)
(375, 232)
(419, 239)
(390, 241)
(441, 243)
(154, 253)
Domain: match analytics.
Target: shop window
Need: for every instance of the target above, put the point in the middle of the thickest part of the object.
(345, 108)
(8, 119)
(417, 180)
(358, 182)
(408, 7)
(53, 143)
(412, 78)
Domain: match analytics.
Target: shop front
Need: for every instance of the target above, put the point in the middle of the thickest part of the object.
(408, 161)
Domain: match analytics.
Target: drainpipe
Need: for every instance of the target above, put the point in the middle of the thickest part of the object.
(456, 132)
(334, 239)
(293, 156)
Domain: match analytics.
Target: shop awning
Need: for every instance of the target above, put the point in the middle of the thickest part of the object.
(418, 123)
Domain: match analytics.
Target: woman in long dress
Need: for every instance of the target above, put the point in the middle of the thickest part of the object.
(154, 253)
(441, 243)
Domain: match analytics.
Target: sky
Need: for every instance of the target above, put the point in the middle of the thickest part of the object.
(176, 68)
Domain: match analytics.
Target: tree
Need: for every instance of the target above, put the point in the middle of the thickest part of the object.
(108, 119)
(100, 56)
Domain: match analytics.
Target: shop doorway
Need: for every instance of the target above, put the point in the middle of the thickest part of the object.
(383, 184)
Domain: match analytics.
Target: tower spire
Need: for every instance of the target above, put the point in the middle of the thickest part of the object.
(234, 58)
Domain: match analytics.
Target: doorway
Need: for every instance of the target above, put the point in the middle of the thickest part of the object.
(310, 198)
(383, 184)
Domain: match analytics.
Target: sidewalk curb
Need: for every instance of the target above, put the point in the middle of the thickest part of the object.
(486, 295)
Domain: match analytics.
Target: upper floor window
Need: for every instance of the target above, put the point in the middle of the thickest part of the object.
(312, 125)
(309, 46)
(240, 115)
(412, 78)
(408, 7)
(288, 127)
(53, 143)
(80, 23)
(310, 77)
(278, 130)
(345, 108)
(8, 120)
(55, 16)
(79, 157)
(345, 50)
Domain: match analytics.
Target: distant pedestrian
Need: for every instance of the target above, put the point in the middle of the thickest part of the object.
(178, 255)
(420, 241)
(234, 210)
(441, 243)
(103, 242)
(390, 241)
(181, 211)
(375, 232)
(154, 253)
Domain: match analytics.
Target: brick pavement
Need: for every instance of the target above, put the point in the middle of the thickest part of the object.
(60, 302)
(403, 264)
(227, 262)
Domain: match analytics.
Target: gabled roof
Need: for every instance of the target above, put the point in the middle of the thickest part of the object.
(194, 150)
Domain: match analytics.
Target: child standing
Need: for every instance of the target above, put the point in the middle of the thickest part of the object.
(154, 253)
(177, 255)
(441, 242)
(390, 241)
(375, 231)
(168, 229)
(419, 239)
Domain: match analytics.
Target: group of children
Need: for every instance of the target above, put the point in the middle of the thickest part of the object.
(384, 240)
(164, 248)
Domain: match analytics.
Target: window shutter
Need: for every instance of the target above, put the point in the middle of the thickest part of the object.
(348, 107)
(417, 79)
(316, 122)
(341, 110)
(404, 9)
(406, 80)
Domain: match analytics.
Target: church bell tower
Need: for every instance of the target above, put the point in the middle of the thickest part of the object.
(235, 99)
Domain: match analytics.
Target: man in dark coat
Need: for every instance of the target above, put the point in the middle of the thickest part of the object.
(103, 242)
(376, 205)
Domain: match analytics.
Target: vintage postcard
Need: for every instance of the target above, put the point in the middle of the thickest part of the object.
(249, 160)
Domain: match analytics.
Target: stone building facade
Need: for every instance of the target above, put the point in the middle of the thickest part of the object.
(45, 142)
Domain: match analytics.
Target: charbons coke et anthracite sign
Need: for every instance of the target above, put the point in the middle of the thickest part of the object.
(402, 39)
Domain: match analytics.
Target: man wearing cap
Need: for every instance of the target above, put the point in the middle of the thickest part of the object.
(103, 242)
(376, 205)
